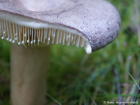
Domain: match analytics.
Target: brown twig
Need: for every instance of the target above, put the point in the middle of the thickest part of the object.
(136, 2)
(136, 97)
(117, 85)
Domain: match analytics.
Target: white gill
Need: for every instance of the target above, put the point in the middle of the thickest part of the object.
(30, 37)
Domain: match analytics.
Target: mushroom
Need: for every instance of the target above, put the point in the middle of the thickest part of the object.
(33, 25)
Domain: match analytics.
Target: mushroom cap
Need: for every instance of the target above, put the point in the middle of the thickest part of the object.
(96, 22)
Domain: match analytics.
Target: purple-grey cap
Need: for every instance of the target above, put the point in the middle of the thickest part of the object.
(91, 24)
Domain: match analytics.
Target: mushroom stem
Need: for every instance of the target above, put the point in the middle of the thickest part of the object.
(28, 75)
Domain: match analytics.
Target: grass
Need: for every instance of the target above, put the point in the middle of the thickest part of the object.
(75, 78)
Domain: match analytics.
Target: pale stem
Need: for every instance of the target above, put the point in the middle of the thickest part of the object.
(28, 75)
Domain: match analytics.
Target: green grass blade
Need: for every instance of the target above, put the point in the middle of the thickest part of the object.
(129, 74)
(53, 99)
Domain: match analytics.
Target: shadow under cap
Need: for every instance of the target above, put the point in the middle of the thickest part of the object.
(97, 21)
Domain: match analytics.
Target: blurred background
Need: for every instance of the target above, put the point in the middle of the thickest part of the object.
(76, 78)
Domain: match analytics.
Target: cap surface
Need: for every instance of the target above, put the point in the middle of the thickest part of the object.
(87, 23)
